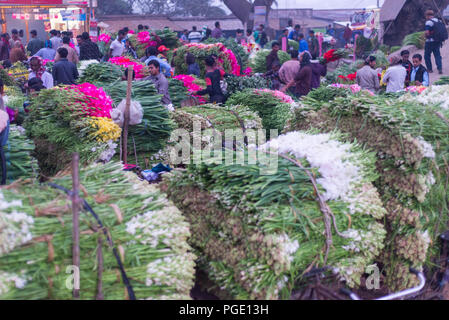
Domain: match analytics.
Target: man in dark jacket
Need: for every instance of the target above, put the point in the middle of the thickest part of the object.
(88, 49)
(419, 74)
(64, 71)
(318, 70)
(314, 46)
(273, 56)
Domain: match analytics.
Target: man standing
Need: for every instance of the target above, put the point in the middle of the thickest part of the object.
(273, 56)
(55, 40)
(88, 49)
(159, 80)
(185, 36)
(72, 56)
(347, 35)
(294, 35)
(434, 41)
(195, 36)
(35, 44)
(407, 65)
(117, 46)
(290, 26)
(64, 71)
(4, 47)
(14, 38)
(262, 36)
(217, 33)
(290, 69)
(303, 45)
(419, 74)
(284, 35)
(314, 47)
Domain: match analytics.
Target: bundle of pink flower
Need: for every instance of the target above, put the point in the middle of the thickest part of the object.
(104, 37)
(416, 89)
(224, 53)
(276, 94)
(144, 38)
(126, 62)
(355, 88)
(98, 103)
(189, 83)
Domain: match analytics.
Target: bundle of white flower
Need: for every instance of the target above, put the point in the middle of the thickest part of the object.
(84, 64)
(434, 95)
(148, 232)
(410, 137)
(257, 233)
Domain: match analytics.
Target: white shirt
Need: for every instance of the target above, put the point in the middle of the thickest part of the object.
(47, 79)
(395, 78)
(195, 37)
(117, 48)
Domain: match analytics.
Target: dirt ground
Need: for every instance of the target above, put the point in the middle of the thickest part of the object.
(445, 54)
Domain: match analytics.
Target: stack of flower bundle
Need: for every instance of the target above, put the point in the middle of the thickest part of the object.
(148, 233)
(20, 164)
(272, 106)
(259, 62)
(71, 119)
(411, 141)
(226, 58)
(101, 74)
(208, 124)
(258, 230)
(153, 132)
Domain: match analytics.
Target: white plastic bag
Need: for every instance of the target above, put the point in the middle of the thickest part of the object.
(135, 113)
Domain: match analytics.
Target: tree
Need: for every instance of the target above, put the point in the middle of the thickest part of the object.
(242, 9)
(110, 7)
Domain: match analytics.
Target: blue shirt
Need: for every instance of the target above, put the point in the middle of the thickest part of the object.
(425, 76)
(46, 53)
(303, 46)
(165, 67)
(293, 35)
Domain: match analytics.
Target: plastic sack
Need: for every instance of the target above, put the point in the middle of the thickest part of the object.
(135, 113)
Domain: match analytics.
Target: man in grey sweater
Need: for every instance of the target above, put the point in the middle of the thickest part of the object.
(367, 77)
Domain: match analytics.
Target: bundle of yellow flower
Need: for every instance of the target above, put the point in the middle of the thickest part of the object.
(106, 129)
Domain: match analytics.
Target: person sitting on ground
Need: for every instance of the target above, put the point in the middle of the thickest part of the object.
(303, 45)
(419, 74)
(125, 75)
(240, 37)
(213, 79)
(273, 56)
(17, 54)
(129, 49)
(72, 55)
(367, 78)
(47, 53)
(159, 80)
(192, 67)
(64, 71)
(273, 76)
(318, 70)
(290, 69)
(303, 79)
(185, 36)
(152, 53)
(38, 71)
(35, 85)
(395, 76)
(405, 54)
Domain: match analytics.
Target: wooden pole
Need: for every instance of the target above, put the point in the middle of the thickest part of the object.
(75, 220)
(4, 21)
(126, 122)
